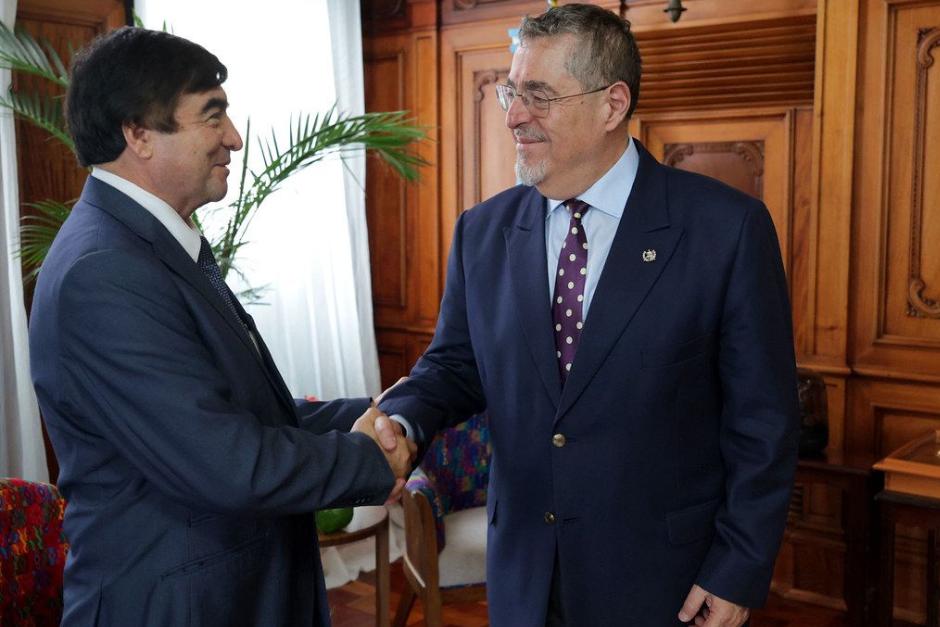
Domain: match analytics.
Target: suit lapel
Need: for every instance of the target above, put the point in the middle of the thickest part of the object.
(270, 369)
(628, 275)
(140, 221)
(525, 248)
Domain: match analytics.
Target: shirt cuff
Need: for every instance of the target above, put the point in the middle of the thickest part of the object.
(409, 432)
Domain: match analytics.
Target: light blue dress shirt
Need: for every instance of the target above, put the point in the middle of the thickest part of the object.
(608, 198)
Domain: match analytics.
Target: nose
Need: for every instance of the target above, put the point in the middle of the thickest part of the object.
(232, 139)
(517, 113)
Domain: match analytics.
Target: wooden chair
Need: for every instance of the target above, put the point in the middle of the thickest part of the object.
(444, 505)
(32, 553)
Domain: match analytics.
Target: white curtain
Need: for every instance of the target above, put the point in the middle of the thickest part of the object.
(308, 243)
(21, 448)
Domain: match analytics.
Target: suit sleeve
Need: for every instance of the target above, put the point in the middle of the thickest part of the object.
(339, 415)
(136, 373)
(759, 420)
(444, 386)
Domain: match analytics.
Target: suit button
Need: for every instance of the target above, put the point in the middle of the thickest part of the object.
(558, 440)
(549, 518)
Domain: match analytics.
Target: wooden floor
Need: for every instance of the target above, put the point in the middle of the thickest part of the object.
(353, 605)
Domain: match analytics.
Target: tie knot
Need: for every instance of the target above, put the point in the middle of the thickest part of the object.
(577, 208)
(205, 251)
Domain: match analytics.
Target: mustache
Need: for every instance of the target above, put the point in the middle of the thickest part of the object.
(525, 132)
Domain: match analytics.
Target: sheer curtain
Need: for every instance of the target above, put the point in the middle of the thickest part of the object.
(21, 448)
(308, 244)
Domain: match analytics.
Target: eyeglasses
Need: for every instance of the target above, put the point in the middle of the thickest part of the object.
(536, 102)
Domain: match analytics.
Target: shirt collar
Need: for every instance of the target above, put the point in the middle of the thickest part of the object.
(187, 236)
(610, 192)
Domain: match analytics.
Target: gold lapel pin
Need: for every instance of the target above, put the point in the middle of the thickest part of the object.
(649, 255)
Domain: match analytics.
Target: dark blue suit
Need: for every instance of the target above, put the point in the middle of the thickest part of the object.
(679, 415)
(190, 475)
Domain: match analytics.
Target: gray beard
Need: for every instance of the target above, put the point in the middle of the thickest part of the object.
(530, 175)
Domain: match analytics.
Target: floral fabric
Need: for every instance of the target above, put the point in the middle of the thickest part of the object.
(454, 473)
(32, 553)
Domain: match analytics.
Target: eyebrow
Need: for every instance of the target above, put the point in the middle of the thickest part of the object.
(534, 86)
(215, 103)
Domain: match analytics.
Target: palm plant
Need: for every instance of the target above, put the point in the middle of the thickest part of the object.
(389, 135)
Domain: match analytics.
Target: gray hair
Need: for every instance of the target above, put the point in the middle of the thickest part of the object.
(607, 52)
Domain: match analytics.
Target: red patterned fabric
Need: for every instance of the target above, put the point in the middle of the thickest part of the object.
(32, 553)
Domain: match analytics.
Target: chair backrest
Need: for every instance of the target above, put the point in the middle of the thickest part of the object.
(453, 476)
(32, 553)
(455, 471)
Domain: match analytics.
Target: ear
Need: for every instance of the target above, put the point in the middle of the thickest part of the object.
(618, 99)
(139, 140)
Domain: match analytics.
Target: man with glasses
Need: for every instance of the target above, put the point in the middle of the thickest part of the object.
(626, 327)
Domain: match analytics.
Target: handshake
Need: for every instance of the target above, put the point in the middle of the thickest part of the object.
(389, 435)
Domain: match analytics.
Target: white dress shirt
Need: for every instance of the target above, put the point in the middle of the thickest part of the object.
(183, 232)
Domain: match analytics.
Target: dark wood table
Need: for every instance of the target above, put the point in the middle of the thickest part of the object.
(859, 483)
(382, 579)
(916, 511)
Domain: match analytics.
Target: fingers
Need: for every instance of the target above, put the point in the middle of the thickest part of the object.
(387, 431)
(709, 610)
(396, 493)
(693, 602)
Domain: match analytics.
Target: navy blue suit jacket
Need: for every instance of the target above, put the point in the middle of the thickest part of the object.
(190, 475)
(679, 414)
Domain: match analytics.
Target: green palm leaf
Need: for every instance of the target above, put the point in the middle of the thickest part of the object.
(311, 139)
(38, 231)
(42, 111)
(20, 52)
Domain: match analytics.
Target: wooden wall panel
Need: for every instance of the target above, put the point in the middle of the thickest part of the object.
(896, 303)
(401, 73)
(477, 153)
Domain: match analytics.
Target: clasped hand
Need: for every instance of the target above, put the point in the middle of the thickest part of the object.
(399, 452)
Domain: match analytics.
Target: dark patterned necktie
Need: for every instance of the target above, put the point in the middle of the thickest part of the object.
(570, 278)
(211, 269)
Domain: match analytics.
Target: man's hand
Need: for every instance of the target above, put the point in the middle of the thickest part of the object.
(399, 452)
(715, 612)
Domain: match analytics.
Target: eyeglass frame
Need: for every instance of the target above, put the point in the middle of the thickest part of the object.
(526, 97)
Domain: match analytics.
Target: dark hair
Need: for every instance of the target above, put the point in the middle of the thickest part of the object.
(607, 51)
(132, 75)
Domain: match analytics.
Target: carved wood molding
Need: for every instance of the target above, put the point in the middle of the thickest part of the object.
(751, 152)
(918, 305)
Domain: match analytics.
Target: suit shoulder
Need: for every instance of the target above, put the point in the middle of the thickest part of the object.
(704, 188)
(703, 202)
(502, 208)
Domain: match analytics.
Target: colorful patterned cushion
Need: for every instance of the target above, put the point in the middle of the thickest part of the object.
(32, 553)
(454, 473)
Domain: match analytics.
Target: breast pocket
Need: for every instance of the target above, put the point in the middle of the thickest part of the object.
(662, 356)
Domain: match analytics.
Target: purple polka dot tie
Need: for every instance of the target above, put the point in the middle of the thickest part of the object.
(569, 289)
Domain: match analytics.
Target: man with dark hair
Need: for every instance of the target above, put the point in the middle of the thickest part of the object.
(626, 327)
(191, 475)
